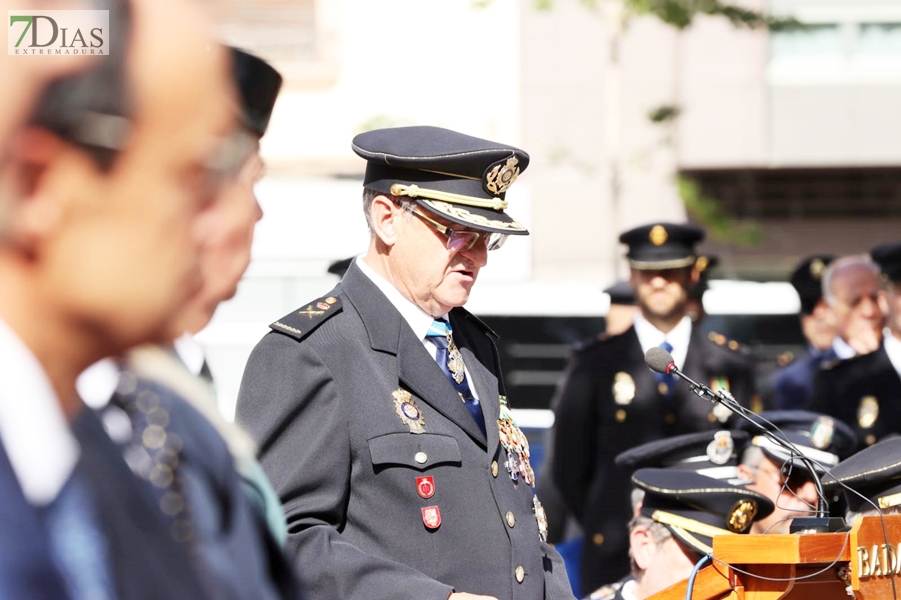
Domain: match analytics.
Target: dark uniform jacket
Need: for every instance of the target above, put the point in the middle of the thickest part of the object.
(793, 385)
(864, 392)
(608, 402)
(318, 395)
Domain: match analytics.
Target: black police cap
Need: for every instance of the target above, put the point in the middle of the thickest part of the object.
(258, 86)
(874, 472)
(662, 245)
(888, 257)
(703, 265)
(340, 267)
(696, 508)
(621, 293)
(807, 280)
(819, 437)
(711, 453)
(460, 177)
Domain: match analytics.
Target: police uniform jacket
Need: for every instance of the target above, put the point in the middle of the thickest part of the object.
(318, 395)
(793, 385)
(608, 402)
(864, 392)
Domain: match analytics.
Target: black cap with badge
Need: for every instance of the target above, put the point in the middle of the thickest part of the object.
(662, 245)
(621, 293)
(462, 178)
(696, 508)
(888, 257)
(711, 453)
(874, 472)
(258, 86)
(807, 280)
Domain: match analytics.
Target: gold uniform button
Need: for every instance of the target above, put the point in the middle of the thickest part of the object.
(494, 468)
(511, 520)
(598, 539)
(620, 416)
(670, 418)
(520, 574)
(421, 457)
(871, 439)
(711, 417)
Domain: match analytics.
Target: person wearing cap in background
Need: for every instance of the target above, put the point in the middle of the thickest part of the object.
(852, 286)
(713, 454)
(339, 267)
(792, 386)
(787, 481)
(609, 400)
(874, 476)
(864, 391)
(695, 308)
(681, 513)
(380, 407)
(622, 310)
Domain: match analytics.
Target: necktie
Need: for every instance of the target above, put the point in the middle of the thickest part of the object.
(665, 381)
(77, 543)
(450, 360)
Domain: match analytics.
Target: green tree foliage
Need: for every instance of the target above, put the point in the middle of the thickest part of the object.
(720, 225)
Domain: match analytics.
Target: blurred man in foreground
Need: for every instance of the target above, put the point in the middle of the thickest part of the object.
(83, 275)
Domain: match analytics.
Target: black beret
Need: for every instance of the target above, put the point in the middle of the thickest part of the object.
(696, 508)
(807, 280)
(340, 267)
(888, 257)
(662, 245)
(819, 437)
(460, 177)
(874, 472)
(258, 86)
(711, 453)
(621, 293)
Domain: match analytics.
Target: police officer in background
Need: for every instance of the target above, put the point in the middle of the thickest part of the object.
(609, 401)
(380, 409)
(793, 385)
(863, 391)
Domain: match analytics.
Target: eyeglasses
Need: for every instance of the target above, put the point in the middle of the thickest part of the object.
(789, 478)
(460, 240)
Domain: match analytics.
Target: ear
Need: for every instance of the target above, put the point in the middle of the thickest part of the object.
(694, 277)
(882, 299)
(385, 217)
(643, 547)
(746, 473)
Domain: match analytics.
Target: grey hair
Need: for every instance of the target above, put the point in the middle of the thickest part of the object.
(658, 532)
(845, 262)
(369, 195)
(752, 457)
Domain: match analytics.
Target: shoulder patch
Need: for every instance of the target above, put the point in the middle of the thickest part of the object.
(302, 322)
(477, 321)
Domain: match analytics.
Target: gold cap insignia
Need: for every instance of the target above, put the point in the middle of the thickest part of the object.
(741, 516)
(658, 235)
(500, 177)
(720, 450)
(822, 432)
(816, 268)
(702, 263)
(408, 411)
(867, 411)
(623, 388)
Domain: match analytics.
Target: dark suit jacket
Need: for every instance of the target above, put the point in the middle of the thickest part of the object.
(591, 427)
(317, 397)
(864, 392)
(793, 385)
(26, 566)
(146, 562)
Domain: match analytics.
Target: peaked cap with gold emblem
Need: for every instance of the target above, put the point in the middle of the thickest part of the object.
(711, 453)
(888, 257)
(662, 245)
(461, 178)
(807, 280)
(695, 508)
(874, 473)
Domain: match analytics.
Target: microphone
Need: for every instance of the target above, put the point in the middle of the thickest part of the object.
(661, 361)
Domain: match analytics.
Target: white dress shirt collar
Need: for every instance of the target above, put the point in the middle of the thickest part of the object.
(33, 427)
(842, 349)
(651, 337)
(893, 349)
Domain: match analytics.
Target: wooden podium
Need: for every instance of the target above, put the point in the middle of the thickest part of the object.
(858, 564)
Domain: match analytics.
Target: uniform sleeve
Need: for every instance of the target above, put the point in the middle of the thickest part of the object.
(290, 404)
(556, 581)
(575, 429)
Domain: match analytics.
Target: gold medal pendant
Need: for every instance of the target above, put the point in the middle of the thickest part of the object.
(515, 444)
(455, 361)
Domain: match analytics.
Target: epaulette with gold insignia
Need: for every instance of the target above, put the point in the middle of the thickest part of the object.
(830, 364)
(301, 323)
(477, 321)
(720, 340)
(785, 359)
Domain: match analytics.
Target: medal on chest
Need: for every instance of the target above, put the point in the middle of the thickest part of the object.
(515, 445)
(455, 361)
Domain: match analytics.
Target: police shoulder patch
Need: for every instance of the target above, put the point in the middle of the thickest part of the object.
(302, 322)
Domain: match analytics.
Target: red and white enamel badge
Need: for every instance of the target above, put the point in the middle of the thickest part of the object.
(425, 487)
(431, 516)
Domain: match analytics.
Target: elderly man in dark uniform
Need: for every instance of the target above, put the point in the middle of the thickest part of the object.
(863, 391)
(379, 408)
(610, 401)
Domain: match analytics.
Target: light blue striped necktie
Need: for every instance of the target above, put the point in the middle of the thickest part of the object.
(450, 360)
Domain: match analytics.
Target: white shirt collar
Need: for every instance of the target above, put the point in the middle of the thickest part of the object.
(97, 383)
(418, 319)
(34, 430)
(651, 337)
(893, 349)
(190, 352)
(628, 590)
(842, 350)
